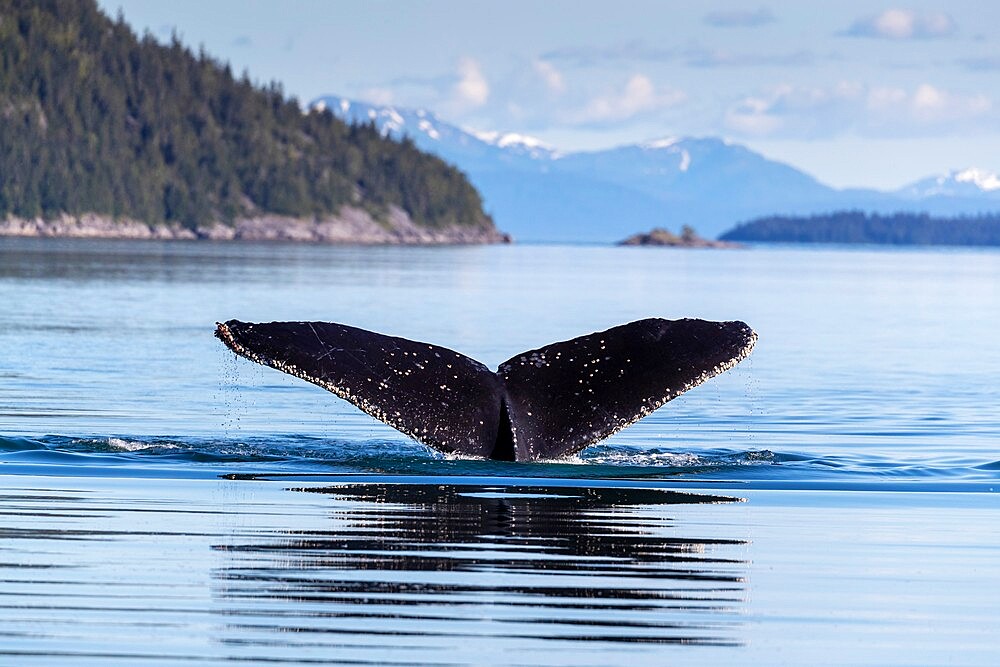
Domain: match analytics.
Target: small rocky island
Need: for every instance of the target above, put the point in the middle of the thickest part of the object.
(688, 238)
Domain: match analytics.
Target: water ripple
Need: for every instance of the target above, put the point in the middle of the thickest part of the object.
(382, 572)
(303, 455)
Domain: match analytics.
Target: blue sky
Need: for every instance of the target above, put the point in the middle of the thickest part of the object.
(856, 93)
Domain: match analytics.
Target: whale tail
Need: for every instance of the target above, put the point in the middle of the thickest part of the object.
(540, 404)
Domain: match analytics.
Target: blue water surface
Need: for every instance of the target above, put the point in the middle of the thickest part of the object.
(872, 364)
(832, 500)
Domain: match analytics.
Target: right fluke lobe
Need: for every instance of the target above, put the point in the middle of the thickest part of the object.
(541, 404)
(566, 396)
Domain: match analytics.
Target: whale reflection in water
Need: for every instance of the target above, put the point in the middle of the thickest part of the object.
(431, 566)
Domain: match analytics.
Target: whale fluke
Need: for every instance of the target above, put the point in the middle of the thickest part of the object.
(540, 404)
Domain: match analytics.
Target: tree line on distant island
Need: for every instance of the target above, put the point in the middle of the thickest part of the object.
(861, 227)
(96, 120)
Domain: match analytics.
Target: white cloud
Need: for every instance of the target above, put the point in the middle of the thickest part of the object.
(377, 95)
(471, 90)
(752, 116)
(927, 98)
(812, 112)
(638, 96)
(551, 76)
(903, 24)
(892, 23)
(933, 104)
(926, 105)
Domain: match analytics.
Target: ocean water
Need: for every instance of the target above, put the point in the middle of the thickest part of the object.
(833, 499)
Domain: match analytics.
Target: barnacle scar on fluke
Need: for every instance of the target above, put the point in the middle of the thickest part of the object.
(540, 404)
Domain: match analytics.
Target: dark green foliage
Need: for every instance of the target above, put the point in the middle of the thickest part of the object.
(861, 227)
(93, 119)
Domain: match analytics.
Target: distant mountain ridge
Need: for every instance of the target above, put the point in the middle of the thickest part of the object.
(970, 182)
(538, 193)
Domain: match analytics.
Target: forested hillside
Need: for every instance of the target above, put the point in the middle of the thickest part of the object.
(861, 227)
(94, 119)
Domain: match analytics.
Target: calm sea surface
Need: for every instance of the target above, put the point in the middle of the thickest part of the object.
(834, 499)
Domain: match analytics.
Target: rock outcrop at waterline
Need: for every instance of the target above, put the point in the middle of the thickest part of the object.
(349, 226)
(688, 238)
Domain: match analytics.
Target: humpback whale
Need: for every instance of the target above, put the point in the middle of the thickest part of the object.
(540, 404)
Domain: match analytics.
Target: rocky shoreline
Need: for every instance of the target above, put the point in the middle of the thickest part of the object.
(351, 225)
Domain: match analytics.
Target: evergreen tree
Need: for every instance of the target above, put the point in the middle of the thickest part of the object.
(96, 120)
(860, 227)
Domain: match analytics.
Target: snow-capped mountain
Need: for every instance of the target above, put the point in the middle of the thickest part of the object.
(970, 182)
(537, 193)
(435, 135)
